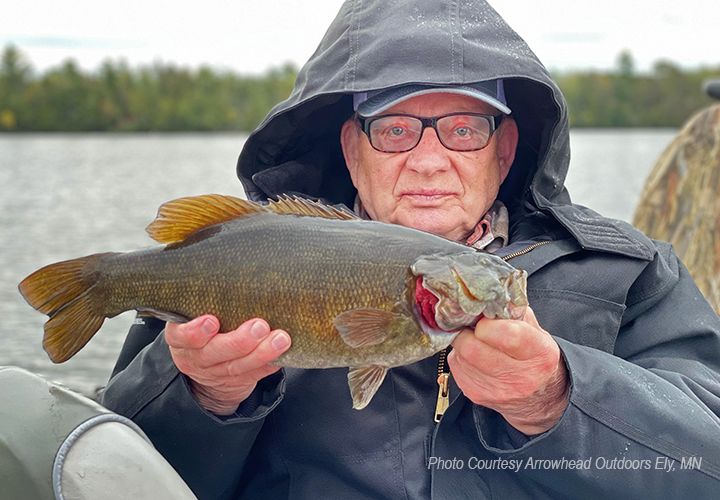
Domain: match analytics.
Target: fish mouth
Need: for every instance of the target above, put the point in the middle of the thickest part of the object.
(440, 339)
(441, 313)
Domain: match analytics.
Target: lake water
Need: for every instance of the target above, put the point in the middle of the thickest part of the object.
(63, 196)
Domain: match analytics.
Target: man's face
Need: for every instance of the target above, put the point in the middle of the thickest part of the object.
(430, 187)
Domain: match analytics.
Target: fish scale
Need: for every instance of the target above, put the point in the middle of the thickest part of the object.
(342, 287)
(278, 280)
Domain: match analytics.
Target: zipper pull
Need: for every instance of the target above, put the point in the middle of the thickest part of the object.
(443, 399)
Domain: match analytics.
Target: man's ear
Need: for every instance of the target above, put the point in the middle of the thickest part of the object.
(507, 145)
(350, 142)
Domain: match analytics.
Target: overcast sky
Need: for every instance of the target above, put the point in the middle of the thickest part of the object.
(250, 36)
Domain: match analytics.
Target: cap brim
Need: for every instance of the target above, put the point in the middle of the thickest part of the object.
(385, 100)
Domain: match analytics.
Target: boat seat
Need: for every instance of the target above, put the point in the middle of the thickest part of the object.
(56, 444)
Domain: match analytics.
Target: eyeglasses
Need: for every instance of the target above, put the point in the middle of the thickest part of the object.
(456, 131)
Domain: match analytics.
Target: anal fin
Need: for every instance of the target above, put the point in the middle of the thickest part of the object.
(364, 382)
(164, 315)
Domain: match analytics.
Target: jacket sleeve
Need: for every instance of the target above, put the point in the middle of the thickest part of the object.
(154, 394)
(645, 418)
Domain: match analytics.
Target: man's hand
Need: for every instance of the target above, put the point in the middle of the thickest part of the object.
(514, 368)
(224, 369)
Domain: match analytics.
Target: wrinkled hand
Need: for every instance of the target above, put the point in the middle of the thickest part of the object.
(224, 369)
(514, 368)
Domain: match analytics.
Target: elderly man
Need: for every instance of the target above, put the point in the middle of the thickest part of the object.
(435, 115)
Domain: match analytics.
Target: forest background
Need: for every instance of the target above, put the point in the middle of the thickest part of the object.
(166, 97)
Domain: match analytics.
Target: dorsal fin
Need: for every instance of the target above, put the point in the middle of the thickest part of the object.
(178, 219)
(300, 206)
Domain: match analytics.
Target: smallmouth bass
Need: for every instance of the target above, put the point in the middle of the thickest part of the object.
(349, 292)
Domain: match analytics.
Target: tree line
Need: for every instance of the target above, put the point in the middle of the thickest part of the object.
(665, 97)
(164, 97)
(160, 97)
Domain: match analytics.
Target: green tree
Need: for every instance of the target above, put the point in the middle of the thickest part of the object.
(623, 92)
(666, 97)
(14, 76)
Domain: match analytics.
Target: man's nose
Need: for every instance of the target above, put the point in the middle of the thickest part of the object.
(429, 156)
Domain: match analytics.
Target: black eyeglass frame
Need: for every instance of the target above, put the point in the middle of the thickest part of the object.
(493, 120)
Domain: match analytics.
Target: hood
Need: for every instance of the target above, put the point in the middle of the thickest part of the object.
(379, 44)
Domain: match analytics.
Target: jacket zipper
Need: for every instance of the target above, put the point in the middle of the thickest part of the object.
(443, 397)
(525, 250)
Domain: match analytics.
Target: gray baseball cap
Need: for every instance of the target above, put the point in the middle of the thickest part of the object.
(375, 102)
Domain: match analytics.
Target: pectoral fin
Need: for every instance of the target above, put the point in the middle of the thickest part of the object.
(365, 326)
(364, 382)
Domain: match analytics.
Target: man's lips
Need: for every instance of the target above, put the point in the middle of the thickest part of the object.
(425, 196)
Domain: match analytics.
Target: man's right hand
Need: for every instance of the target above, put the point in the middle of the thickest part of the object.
(224, 369)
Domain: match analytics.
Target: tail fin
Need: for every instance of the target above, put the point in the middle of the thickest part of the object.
(64, 291)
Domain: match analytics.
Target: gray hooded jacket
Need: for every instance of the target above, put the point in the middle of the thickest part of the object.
(641, 344)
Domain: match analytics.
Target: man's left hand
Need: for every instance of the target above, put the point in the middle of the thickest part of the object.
(515, 368)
